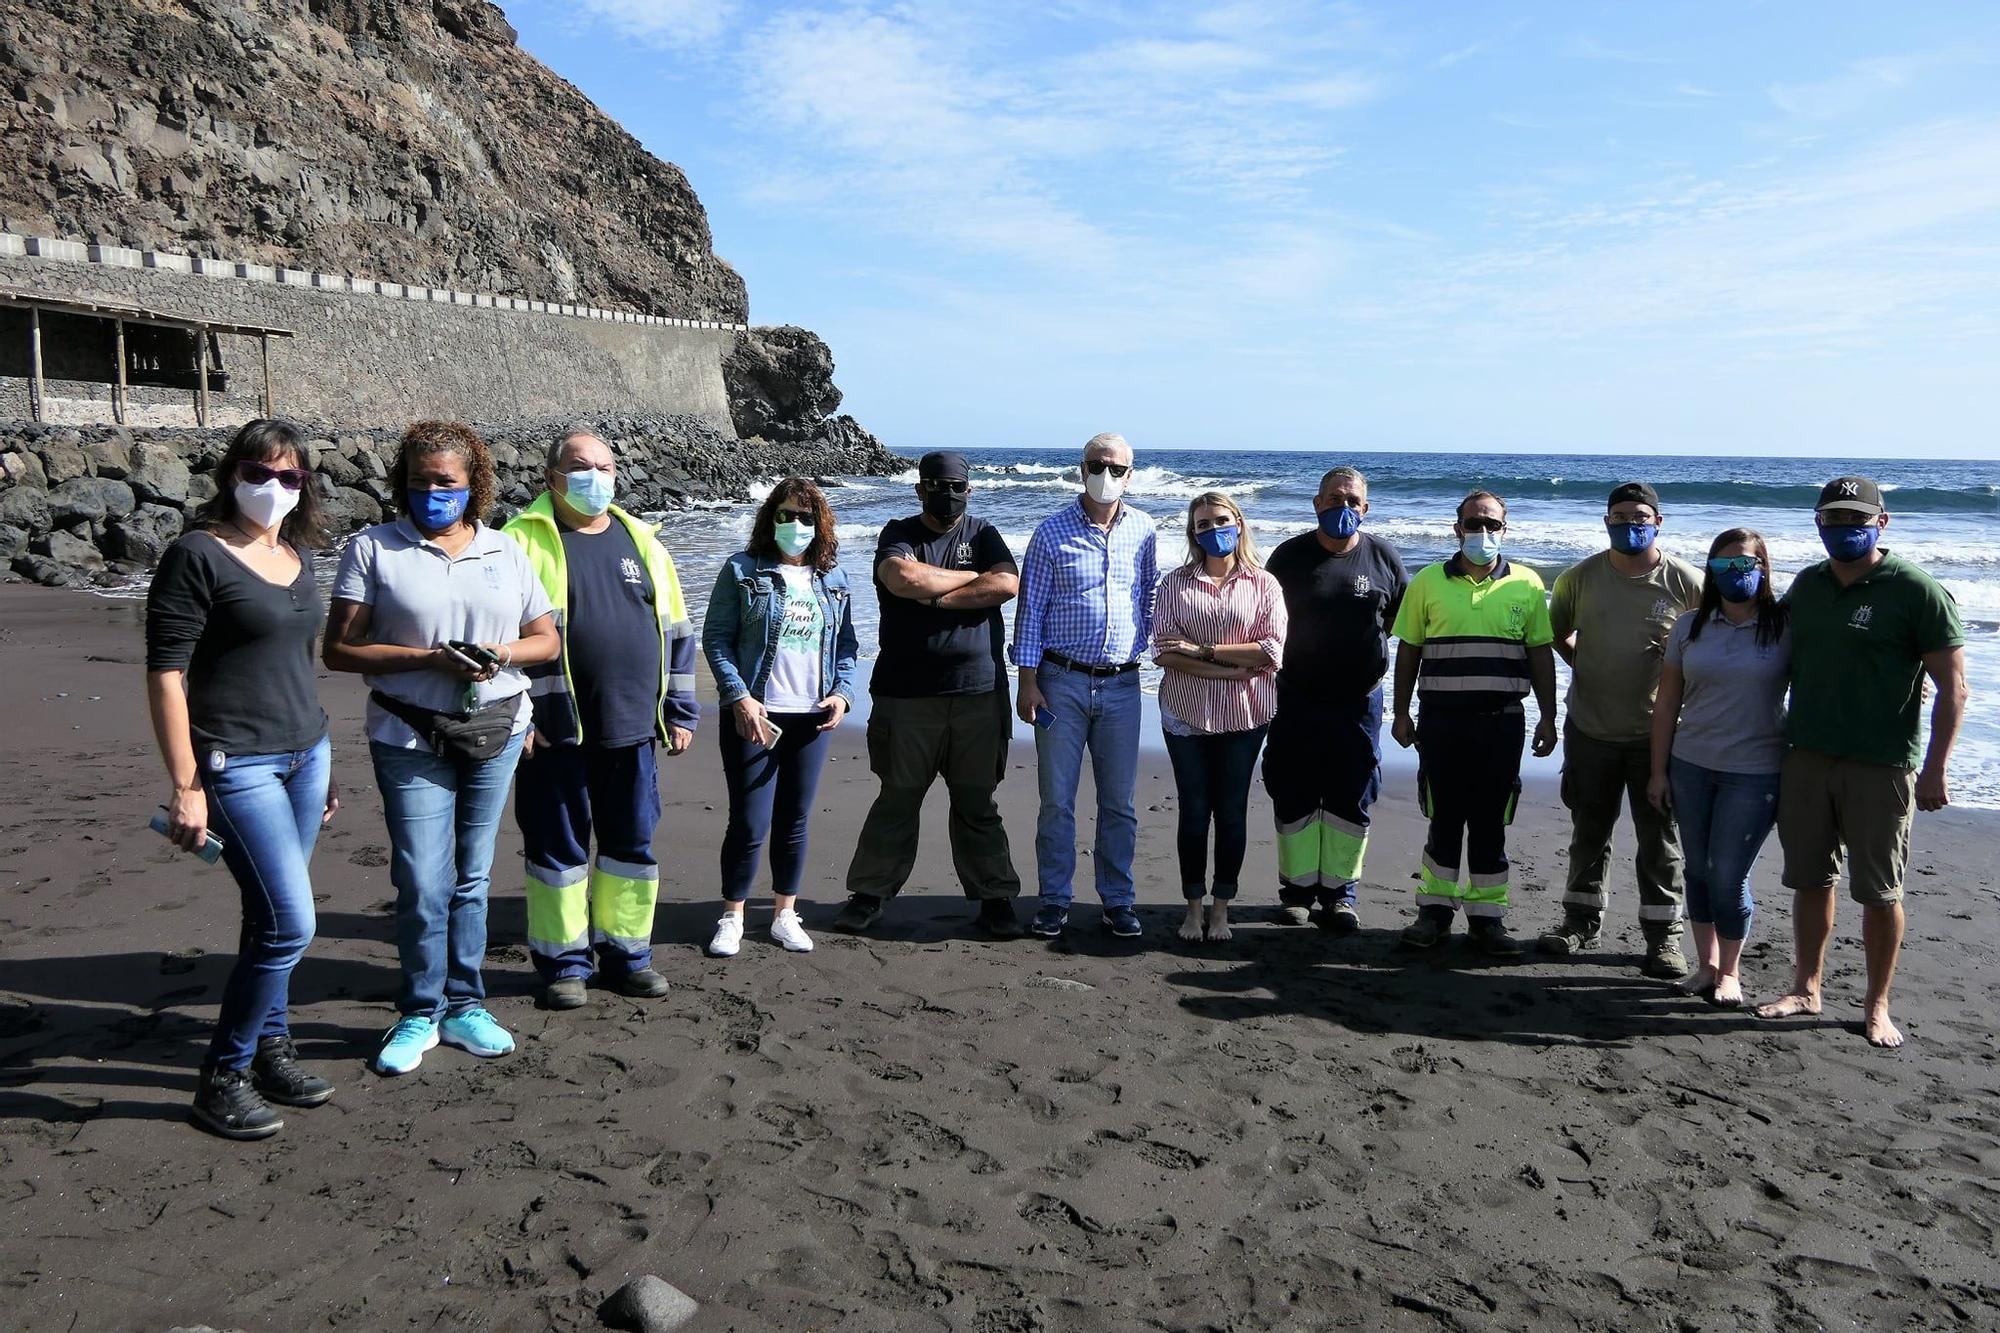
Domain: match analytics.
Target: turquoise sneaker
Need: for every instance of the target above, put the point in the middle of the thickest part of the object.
(476, 1031)
(403, 1049)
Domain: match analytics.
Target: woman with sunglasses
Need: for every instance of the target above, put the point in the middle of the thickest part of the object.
(1718, 742)
(1219, 634)
(779, 638)
(439, 612)
(230, 624)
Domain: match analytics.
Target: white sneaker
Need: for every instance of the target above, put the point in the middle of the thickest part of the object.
(728, 936)
(788, 930)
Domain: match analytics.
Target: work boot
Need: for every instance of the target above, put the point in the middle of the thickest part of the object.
(1577, 934)
(565, 993)
(277, 1074)
(996, 918)
(1489, 936)
(1294, 914)
(861, 911)
(1429, 929)
(226, 1102)
(1664, 958)
(1340, 919)
(643, 983)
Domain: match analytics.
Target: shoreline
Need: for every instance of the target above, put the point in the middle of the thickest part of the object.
(925, 1130)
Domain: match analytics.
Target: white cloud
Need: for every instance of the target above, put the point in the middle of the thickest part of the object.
(666, 23)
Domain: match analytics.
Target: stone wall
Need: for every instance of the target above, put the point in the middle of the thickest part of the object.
(368, 352)
(81, 505)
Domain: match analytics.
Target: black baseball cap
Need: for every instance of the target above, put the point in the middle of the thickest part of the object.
(1857, 493)
(944, 465)
(1634, 492)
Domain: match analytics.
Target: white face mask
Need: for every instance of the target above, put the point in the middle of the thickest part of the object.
(1102, 486)
(265, 505)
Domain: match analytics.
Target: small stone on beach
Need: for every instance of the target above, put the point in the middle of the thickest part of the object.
(647, 1305)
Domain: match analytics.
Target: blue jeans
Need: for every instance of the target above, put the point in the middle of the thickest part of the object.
(1212, 776)
(266, 809)
(1724, 819)
(443, 815)
(770, 797)
(1099, 714)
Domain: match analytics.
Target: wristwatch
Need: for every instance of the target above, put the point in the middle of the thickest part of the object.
(1208, 652)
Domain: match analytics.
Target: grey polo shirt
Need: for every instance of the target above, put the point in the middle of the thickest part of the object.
(418, 597)
(1732, 694)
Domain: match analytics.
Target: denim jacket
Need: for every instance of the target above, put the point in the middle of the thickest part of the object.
(745, 613)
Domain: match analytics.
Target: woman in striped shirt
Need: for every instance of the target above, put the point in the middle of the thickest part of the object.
(1219, 632)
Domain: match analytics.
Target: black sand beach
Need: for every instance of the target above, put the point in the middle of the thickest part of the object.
(922, 1130)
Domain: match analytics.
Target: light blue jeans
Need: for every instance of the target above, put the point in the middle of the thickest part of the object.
(266, 809)
(1724, 819)
(443, 816)
(1099, 714)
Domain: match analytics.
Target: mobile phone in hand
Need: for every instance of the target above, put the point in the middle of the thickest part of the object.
(1044, 718)
(481, 656)
(211, 846)
(777, 733)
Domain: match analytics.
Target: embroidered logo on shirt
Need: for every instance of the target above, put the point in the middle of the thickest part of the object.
(630, 569)
(492, 572)
(1862, 615)
(963, 555)
(1361, 585)
(1663, 607)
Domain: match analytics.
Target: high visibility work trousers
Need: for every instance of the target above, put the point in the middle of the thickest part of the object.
(1468, 780)
(1323, 770)
(563, 795)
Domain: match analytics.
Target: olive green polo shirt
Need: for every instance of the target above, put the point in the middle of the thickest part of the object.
(1857, 659)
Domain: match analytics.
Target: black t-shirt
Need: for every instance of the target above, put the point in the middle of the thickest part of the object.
(614, 637)
(925, 651)
(246, 646)
(1340, 608)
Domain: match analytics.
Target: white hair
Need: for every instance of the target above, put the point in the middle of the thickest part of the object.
(1106, 440)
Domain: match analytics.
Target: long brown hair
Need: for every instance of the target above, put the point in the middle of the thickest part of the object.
(800, 493)
(1770, 611)
(425, 438)
(267, 440)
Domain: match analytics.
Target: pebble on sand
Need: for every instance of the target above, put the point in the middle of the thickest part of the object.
(647, 1305)
(1057, 983)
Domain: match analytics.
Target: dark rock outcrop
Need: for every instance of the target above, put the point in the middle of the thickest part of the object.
(409, 140)
(780, 382)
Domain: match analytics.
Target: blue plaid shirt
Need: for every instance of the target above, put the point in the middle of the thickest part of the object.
(1087, 593)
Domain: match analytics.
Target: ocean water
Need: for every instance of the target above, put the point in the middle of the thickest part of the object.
(1943, 515)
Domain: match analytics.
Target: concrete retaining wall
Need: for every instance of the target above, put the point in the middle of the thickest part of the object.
(370, 352)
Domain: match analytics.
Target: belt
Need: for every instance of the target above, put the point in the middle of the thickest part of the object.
(1068, 663)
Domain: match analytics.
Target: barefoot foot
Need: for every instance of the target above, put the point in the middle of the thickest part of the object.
(1728, 991)
(1790, 1005)
(1218, 921)
(1881, 1032)
(1698, 982)
(1190, 929)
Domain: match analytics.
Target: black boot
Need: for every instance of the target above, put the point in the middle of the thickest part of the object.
(225, 1102)
(1429, 929)
(861, 911)
(278, 1075)
(996, 918)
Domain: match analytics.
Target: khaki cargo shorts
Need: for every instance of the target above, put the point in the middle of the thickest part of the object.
(1827, 804)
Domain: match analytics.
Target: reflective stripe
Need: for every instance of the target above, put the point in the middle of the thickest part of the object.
(628, 869)
(1663, 912)
(677, 683)
(1434, 887)
(1443, 874)
(1298, 853)
(621, 906)
(1340, 852)
(629, 945)
(1347, 826)
(558, 948)
(1288, 827)
(1489, 879)
(1437, 650)
(1474, 907)
(555, 878)
(1485, 684)
(1574, 899)
(558, 916)
(1448, 901)
(1490, 896)
(676, 629)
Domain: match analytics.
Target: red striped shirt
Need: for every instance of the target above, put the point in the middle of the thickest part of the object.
(1246, 607)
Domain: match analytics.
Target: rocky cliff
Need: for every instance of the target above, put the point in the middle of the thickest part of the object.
(408, 140)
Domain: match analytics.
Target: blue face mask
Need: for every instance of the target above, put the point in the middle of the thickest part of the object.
(1218, 541)
(1737, 585)
(588, 490)
(1633, 538)
(1481, 548)
(434, 511)
(1340, 522)
(1850, 543)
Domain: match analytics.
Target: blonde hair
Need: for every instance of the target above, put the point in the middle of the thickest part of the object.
(1246, 544)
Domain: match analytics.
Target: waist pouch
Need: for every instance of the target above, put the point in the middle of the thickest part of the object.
(475, 736)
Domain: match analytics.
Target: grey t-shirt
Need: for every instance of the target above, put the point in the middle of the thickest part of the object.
(1732, 695)
(419, 597)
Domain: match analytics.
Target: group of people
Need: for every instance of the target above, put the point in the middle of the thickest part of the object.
(556, 655)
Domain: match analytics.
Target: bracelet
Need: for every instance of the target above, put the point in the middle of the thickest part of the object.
(508, 649)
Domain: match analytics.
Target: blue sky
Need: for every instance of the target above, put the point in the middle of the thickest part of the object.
(1761, 228)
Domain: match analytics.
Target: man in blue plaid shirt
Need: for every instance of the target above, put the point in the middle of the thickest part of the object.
(1086, 615)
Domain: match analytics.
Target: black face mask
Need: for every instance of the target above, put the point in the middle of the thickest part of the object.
(944, 506)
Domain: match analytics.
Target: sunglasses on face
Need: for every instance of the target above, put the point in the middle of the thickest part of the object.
(291, 478)
(1733, 564)
(944, 484)
(1481, 524)
(795, 516)
(1097, 466)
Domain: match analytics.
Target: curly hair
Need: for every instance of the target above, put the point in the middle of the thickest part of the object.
(461, 441)
(825, 548)
(268, 440)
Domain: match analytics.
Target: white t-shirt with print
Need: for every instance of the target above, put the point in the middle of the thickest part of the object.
(794, 686)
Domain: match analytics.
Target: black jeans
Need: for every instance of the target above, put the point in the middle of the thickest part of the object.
(1212, 774)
